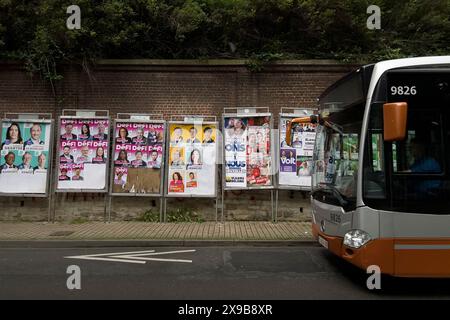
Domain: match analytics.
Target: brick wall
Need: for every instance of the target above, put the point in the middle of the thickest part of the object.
(168, 87)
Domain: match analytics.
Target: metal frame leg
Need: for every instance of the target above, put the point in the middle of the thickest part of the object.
(165, 210)
(276, 205)
(161, 203)
(223, 205)
(217, 208)
(50, 197)
(272, 204)
(109, 207)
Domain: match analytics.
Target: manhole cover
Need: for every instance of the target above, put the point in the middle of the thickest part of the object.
(61, 233)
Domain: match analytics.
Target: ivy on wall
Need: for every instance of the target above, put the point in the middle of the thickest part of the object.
(258, 30)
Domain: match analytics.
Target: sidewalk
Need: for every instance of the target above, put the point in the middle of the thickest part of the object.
(212, 231)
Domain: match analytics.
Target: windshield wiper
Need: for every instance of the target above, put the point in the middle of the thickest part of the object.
(343, 200)
(334, 127)
(323, 122)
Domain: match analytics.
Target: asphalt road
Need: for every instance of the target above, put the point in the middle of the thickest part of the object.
(306, 272)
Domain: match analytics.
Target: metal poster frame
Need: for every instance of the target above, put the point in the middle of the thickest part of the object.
(248, 113)
(144, 119)
(34, 118)
(288, 113)
(200, 120)
(83, 114)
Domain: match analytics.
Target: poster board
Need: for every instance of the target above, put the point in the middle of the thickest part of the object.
(192, 158)
(26, 153)
(295, 162)
(248, 151)
(137, 167)
(82, 152)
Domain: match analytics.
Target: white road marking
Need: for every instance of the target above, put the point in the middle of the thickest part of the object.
(154, 259)
(132, 257)
(153, 253)
(114, 253)
(105, 259)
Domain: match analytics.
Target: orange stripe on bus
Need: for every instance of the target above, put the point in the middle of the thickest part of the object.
(407, 262)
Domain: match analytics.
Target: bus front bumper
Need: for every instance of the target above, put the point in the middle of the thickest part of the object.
(398, 257)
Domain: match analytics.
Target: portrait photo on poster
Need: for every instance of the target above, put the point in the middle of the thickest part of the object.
(248, 152)
(295, 163)
(25, 156)
(83, 153)
(138, 157)
(192, 159)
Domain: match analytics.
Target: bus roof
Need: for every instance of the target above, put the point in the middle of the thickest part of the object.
(349, 90)
(353, 87)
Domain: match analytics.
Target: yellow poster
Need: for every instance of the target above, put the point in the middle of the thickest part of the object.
(208, 133)
(192, 158)
(176, 157)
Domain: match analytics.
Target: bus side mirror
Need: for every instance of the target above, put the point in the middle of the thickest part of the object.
(291, 125)
(395, 115)
(289, 133)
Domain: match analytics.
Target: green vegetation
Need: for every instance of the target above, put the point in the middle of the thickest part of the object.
(183, 215)
(259, 30)
(178, 215)
(79, 220)
(148, 216)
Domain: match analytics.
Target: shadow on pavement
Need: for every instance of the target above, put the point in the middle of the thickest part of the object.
(391, 287)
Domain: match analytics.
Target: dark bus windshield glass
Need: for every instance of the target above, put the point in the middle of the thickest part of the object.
(335, 158)
(411, 175)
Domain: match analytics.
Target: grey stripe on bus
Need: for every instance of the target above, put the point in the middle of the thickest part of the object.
(422, 246)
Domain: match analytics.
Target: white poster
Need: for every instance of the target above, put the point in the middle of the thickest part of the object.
(24, 157)
(192, 159)
(296, 161)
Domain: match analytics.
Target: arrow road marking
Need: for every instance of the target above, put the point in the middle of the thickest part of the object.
(138, 256)
(132, 257)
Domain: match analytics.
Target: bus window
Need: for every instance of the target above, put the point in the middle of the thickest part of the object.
(374, 160)
(420, 152)
(420, 165)
(377, 152)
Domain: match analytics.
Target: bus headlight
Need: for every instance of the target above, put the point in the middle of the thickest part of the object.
(356, 238)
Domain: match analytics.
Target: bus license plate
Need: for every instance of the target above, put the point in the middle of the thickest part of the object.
(323, 242)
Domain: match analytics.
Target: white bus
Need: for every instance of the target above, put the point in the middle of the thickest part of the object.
(381, 183)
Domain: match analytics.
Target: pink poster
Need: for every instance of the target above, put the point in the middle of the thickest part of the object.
(138, 157)
(83, 153)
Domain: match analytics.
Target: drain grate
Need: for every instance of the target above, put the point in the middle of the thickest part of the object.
(61, 233)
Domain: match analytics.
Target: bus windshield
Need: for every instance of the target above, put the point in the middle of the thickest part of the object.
(335, 158)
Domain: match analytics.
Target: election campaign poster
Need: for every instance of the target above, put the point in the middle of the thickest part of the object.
(248, 153)
(138, 157)
(296, 160)
(24, 161)
(192, 159)
(83, 153)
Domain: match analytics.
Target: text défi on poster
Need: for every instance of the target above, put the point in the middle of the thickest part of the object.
(138, 157)
(83, 153)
